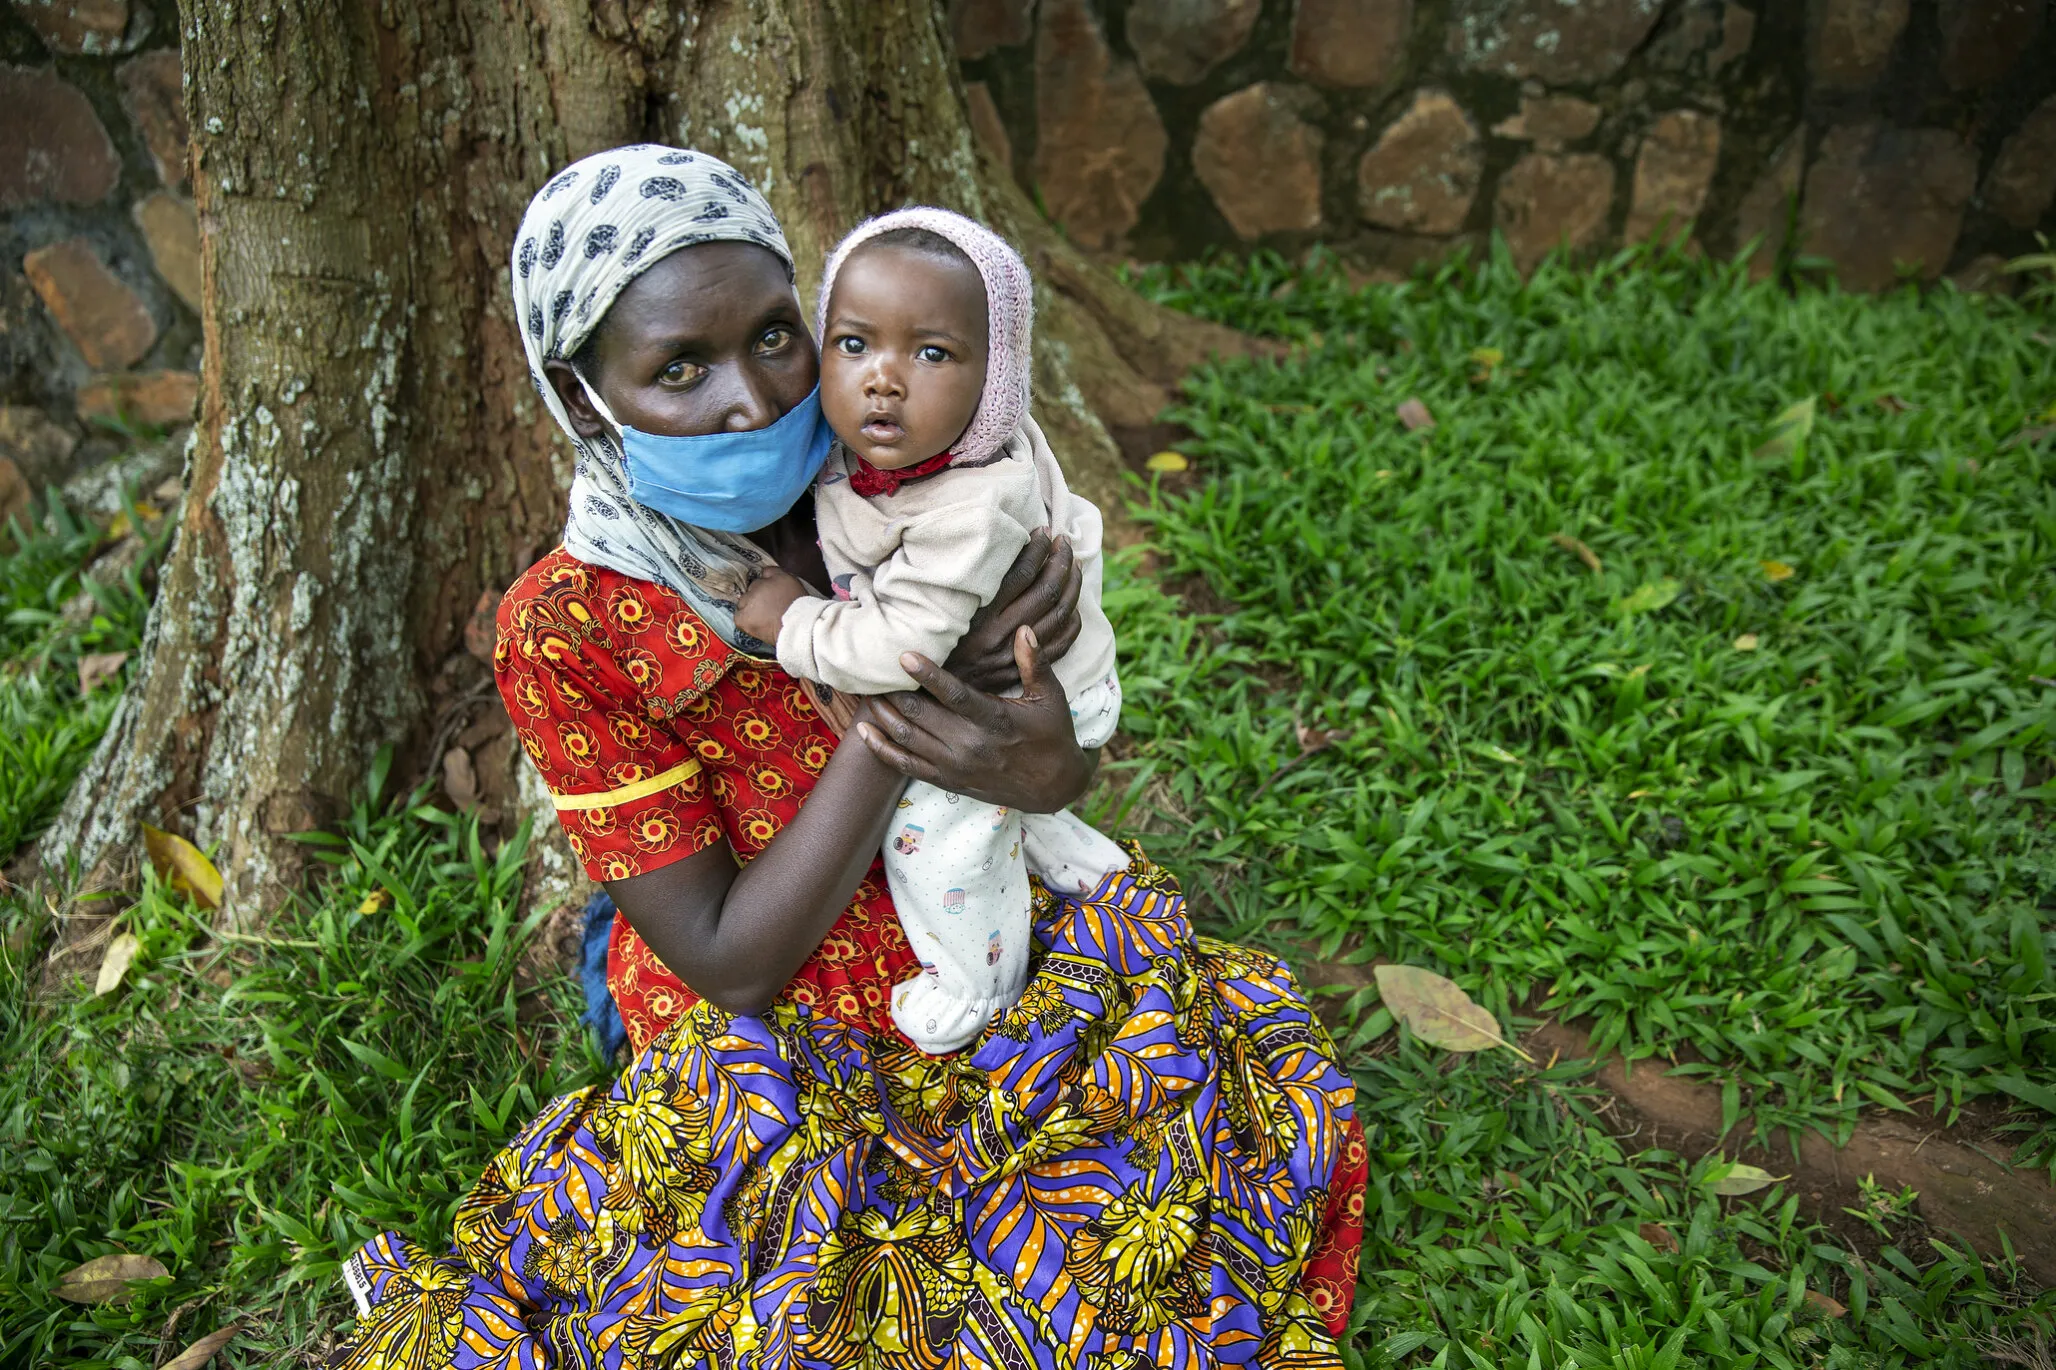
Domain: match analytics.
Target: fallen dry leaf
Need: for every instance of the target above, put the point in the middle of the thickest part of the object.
(375, 901)
(1313, 740)
(201, 1351)
(1741, 1179)
(1578, 550)
(1892, 404)
(1789, 429)
(1167, 460)
(460, 780)
(106, 1279)
(97, 668)
(1776, 570)
(1415, 416)
(183, 866)
(1439, 1012)
(115, 962)
(1748, 642)
(1647, 599)
(1825, 1304)
(1659, 1236)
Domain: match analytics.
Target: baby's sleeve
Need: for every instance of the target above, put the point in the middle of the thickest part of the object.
(949, 564)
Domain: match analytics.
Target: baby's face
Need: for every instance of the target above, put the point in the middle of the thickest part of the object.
(903, 356)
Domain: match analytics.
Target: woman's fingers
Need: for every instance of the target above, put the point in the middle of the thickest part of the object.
(896, 756)
(1027, 566)
(952, 693)
(1059, 628)
(1028, 660)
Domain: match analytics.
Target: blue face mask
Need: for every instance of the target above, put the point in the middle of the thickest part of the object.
(726, 482)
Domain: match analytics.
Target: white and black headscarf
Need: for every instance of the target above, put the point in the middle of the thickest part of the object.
(592, 230)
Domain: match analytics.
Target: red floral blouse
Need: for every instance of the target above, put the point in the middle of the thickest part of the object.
(658, 740)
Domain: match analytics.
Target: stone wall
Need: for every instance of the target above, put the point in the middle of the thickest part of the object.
(1895, 136)
(99, 248)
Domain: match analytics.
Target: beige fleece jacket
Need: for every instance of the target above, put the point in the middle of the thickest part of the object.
(912, 567)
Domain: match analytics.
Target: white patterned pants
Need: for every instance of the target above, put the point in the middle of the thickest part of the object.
(958, 869)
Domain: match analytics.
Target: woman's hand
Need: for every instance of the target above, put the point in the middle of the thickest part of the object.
(1018, 752)
(1040, 592)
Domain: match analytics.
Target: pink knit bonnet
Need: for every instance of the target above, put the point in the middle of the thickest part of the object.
(1009, 308)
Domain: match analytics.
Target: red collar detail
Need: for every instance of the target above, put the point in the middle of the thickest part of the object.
(870, 482)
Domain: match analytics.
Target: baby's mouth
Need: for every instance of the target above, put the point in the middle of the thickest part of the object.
(882, 428)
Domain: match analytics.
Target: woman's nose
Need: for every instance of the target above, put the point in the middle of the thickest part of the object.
(752, 403)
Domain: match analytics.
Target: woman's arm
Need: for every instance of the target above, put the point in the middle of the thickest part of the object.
(736, 936)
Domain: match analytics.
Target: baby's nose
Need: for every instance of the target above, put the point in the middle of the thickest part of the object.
(882, 379)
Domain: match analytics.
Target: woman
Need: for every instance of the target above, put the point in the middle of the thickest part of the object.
(1151, 1159)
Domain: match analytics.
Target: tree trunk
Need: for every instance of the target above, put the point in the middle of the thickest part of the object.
(369, 456)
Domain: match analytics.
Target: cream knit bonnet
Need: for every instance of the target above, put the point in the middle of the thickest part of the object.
(1009, 310)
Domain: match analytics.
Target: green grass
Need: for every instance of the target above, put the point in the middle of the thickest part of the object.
(1817, 870)
(47, 730)
(249, 1110)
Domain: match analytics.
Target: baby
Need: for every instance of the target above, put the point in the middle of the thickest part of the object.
(937, 480)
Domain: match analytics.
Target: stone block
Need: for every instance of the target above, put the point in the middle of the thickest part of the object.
(1879, 200)
(1983, 39)
(108, 322)
(1766, 211)
(151, 93)
(161, 399)
(1100, 143)
(1550, 121)
(1350, 42)
(1562, 42)
(80, 27)
(36, 447)
(2023, 178)
(1737, 36)
(1673, 171)
(1260, 161)
(1182, 40)
(1984, 274)
(986, 125)
(173, 233)
(1693, 29)
(1423, 172)
(1852, 41)
(1549, 199)
(55, 147)
(979, 26)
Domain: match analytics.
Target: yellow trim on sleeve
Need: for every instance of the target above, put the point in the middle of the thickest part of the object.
(641, 789)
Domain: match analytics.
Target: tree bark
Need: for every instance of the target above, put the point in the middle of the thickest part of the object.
(369, 456)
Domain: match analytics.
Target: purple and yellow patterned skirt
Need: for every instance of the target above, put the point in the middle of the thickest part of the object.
(1132, 1168)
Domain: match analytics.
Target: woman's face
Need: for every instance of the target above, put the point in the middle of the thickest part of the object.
(708, 340)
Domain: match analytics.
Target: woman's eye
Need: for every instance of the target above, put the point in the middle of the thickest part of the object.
(932, 353)
(849, 347)
(680, 372)
(775, 339)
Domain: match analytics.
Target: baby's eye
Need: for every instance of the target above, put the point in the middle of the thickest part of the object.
(775, 339)
(932, 353)
(681, 372)
(849, 346)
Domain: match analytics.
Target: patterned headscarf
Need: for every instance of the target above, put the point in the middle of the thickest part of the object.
(591, 231)
(1009, 311)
